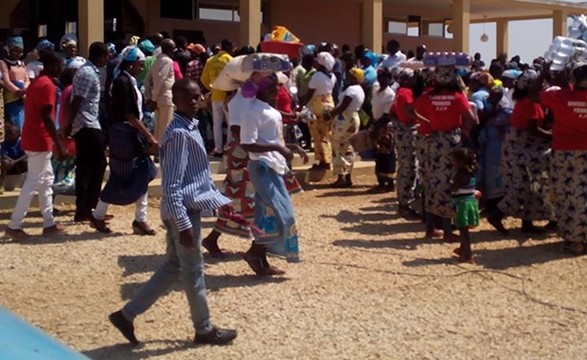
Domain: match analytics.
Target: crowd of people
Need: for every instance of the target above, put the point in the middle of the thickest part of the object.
(508, 138)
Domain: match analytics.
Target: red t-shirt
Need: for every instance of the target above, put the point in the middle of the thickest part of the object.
(523, 111)
(284, 102)
(569, 107)
(40, 93)
(444, 110)
(403, 97)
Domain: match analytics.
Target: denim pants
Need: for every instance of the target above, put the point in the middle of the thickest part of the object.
(274, 212)
(180, 262)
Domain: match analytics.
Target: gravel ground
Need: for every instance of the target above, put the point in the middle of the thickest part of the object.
(369, 287)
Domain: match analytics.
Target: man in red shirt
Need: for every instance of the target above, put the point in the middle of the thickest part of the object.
(38, 137)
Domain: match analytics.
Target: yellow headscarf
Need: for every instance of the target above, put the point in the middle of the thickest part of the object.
(358, 74)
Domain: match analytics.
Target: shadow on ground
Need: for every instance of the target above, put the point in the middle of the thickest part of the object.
(150, 263)
(127, 351)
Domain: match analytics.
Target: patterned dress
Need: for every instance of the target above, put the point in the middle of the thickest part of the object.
(440, 170)
(525, 166)
(405, 146)
(343, 127)
(237, 186)
(568, 177)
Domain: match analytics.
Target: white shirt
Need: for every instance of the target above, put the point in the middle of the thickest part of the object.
(237, 106)
(322, 83)
(356, 93)
(34, 69)
(381, 101)
(262, 124)
(393, 61)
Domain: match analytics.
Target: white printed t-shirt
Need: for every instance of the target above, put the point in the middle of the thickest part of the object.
(262, 124)
(237, 106)
(381, 101)
(322, 83)
(356, 93)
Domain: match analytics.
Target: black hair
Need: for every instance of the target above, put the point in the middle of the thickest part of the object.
(246, 50)
(226, 44)
(50, 59)
(580, 74)
(98, 49)
(66, 78)
(181, 42)
(465, 156)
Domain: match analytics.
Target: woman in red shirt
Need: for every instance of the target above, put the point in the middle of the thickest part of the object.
(525, 164)
(568, 172)
(405, 141)
(446, 111)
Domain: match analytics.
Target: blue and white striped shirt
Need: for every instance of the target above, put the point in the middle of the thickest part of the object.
(187, 181)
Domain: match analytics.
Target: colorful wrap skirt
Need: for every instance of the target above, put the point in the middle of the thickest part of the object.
(438, 192)
(568, 176)
(405, 146)
(238, 187)
(525, 171)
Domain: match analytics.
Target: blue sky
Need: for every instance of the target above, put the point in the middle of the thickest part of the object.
(527, 38)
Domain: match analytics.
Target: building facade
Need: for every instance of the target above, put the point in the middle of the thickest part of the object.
(440, 24)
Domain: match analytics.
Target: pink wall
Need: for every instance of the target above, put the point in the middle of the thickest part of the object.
(411, 42)
(315, 21)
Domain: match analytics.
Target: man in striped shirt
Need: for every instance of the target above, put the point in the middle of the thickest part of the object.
(187, 191)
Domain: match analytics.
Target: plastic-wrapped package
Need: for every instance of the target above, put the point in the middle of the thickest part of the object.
(447, 59)
(578, 27)
(564, 51)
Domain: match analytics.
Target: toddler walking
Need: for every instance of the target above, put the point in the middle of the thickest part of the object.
(464, 198)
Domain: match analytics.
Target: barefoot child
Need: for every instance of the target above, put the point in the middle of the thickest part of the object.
(464, 198)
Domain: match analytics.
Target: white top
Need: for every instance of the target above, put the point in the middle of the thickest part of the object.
(393, 61)
(381, 101)
(34, 69)
(262, 124)
(356, 93)
(322, 83)
(237, 106)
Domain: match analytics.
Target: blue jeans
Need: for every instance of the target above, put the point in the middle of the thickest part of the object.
(274, 212)
(180, 262)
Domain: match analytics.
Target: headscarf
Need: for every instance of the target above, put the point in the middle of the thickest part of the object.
(368, 54)
(326, 59)
(68, 40)
(196, 49)
(44, 44)
(406, 73)
(147, 46)
(309, 49)
(445, 75)
(112, 48)
(15, 42)
(511, 74)
(358, 74)
(484, 78)
(251, 88)
(128, 54)
(526, 79)
(75, 63)
(134, 40)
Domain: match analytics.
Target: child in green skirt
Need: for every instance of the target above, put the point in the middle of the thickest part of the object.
(465, 199)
